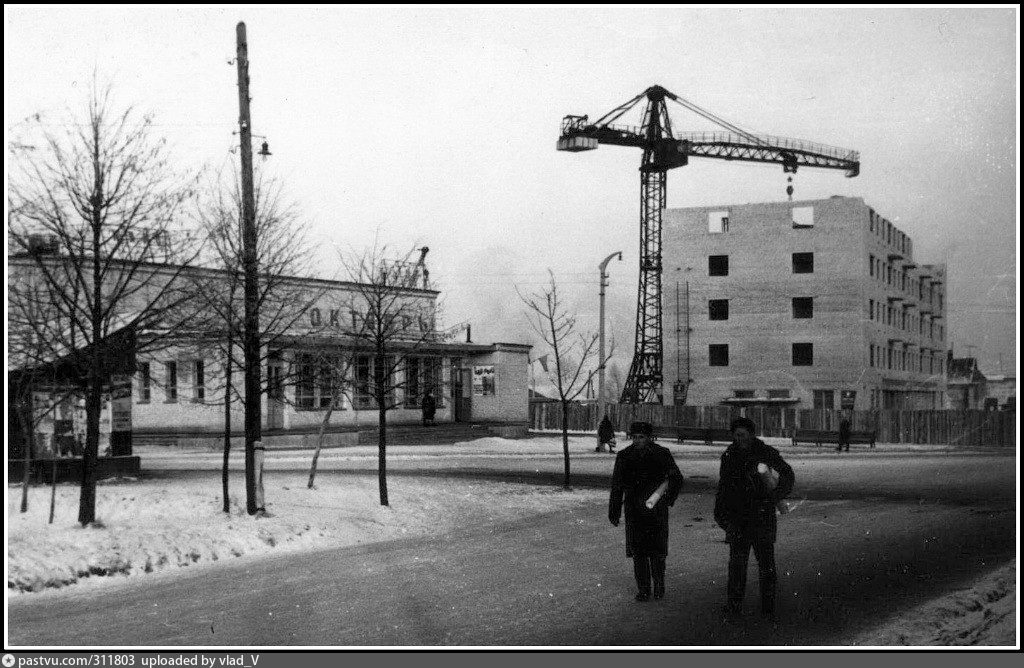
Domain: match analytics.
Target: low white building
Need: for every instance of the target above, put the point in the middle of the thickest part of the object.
(322, 355)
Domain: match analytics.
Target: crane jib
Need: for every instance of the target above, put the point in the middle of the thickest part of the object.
(674, 152)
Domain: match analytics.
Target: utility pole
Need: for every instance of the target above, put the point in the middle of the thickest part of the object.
(250, 338)
(601, 355)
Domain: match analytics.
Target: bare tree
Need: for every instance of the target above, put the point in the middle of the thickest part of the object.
(25, 415)
(335, 369)
(575, 354)
(335, 365)
(27, 378)
(397, 319)
(93, 212)
(283, 254)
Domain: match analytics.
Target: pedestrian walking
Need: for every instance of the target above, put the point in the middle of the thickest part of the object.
(745, 509)
(429, 407)
(645, 481)
(605, 435)
(844, 434)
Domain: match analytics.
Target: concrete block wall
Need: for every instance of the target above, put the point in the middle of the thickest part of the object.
(919, 381)
(760, 330)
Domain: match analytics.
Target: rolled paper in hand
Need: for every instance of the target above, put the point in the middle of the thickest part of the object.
(653, 499)
(771, 480)
(769, 475)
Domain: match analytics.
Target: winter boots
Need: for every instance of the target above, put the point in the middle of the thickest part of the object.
(658, 573)
(645, 569)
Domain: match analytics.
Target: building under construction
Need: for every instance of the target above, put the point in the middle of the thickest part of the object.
(806, 304)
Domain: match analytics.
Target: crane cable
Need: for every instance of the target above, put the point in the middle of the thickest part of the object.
(721, 122)
(621, 109)
(617, 113)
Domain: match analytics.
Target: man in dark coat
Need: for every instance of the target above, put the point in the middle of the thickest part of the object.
(605, 435)
(646, 481)
(745, 509)
(844, 434)
(429, 408)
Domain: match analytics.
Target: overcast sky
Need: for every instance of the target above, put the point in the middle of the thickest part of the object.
(437, 127)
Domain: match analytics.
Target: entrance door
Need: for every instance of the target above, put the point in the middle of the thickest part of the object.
(462, 394)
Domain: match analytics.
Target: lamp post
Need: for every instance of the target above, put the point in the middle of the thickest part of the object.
(601, 355)
(682, 385)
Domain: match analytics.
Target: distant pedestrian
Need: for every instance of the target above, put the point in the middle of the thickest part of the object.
(745, 509)
(605, 435)
(646, 481)
(844, 434)
(65, 438)
(429, 406)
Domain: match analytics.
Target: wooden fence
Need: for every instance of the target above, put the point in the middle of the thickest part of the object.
(967, 428)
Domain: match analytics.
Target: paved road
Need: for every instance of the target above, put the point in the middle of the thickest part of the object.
(851, 554)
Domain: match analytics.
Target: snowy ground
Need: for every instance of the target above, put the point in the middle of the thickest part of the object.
(983, 614)
(160, 525)
(156, 525)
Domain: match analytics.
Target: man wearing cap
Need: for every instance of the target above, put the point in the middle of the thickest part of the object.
(745, 509)
(646, 481)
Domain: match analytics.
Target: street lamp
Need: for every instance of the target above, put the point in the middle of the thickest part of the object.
(681, 387)
(601, 358)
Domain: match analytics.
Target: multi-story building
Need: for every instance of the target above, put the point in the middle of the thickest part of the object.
(809, 304)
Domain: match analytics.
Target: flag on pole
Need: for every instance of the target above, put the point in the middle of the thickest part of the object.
(543, 359)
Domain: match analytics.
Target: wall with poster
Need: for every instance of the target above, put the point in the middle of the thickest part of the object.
(500, 382)
(120, 415)
(483, 381)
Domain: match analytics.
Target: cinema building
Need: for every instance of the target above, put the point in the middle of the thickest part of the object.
(176, 393)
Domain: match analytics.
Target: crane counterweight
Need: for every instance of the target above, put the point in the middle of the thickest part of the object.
(576, 144)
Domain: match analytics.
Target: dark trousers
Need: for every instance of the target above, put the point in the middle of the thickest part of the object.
(739, 553)
(647, 567)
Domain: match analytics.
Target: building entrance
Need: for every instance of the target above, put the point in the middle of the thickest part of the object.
(462, 392)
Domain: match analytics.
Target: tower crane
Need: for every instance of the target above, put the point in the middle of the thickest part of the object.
(663, 149)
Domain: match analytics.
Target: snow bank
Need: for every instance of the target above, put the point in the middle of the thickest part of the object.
(154, 525)
(984, 614)
(543, 445)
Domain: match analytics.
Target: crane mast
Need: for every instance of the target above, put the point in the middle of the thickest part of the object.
(664, 150)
